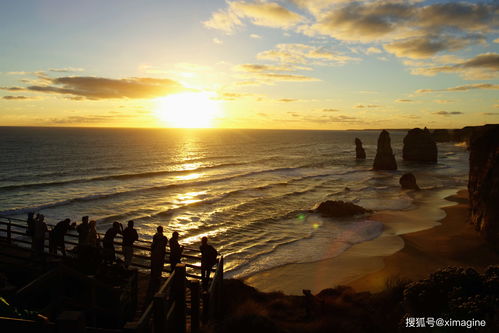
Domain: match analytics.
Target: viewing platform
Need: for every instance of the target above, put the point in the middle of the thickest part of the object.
(123, 299)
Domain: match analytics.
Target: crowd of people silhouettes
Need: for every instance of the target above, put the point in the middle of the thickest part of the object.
(89, 244)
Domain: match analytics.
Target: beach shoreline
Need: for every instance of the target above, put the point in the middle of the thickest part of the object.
(396, 254)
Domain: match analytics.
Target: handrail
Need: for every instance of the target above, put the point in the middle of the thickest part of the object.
(23, 226)
(76, 236)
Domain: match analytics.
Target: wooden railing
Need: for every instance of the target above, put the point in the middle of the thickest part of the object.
(167, 312)
(14, 231)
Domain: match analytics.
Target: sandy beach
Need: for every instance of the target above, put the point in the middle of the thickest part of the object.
(397, 253)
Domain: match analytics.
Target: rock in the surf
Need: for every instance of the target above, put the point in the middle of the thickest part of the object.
(419, 146)
(384, 160)
(339, 208)
(408, 181)
(359, 151)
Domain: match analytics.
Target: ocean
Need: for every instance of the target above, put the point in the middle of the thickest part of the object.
(249, 191)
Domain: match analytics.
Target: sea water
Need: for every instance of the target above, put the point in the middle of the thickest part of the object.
(249, 191)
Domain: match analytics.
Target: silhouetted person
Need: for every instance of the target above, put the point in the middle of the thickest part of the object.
(158, 250)
(38, 237)
(56, 237)
(175, 251)
(108, 242)
(129, 237)
(208, 259)
(82, 230)
(92, 236)
(31, 223)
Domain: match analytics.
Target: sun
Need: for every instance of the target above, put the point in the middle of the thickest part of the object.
(188, 110)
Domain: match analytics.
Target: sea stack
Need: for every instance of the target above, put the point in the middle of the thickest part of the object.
(360, 153)
(408, 182)
(419, 146)
(384, 159)
(483, 184)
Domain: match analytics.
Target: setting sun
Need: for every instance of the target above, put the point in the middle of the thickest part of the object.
(187, 110)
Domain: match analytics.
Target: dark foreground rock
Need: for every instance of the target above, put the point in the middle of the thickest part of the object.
(483, 184)
(447, 293)
(384, 159)
(360, 153)
(340, 208)
(408, 181)
(419, 146)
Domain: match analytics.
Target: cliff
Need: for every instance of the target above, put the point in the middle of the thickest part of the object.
(483, 184)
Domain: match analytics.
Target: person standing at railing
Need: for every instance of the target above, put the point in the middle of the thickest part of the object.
(108, 242)
(158, 251)
(38, 237)
(208, 259)
(129, 237)
(82, 230)
(175, 251)
(31, 223)
(56, 236)
(93, 236)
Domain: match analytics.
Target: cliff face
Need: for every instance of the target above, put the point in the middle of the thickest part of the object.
(483, 184)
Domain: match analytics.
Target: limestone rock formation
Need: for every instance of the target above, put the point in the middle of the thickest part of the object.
(340, 208)
(384, 159)
(360, 153)
(483, 184)
(419, 146)
(408, 181)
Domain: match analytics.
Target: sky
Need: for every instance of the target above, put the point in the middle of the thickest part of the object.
(281, 64)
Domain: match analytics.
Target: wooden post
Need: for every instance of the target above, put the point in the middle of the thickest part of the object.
(178, 293)
(159, 313)
(206, 306)
(194, 306)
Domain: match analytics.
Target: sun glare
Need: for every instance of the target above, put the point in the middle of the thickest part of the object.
(188, 110)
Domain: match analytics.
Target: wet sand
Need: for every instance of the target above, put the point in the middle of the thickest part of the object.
(398, 253)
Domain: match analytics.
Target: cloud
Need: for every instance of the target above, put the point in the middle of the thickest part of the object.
(362, 21)
(224, 20)
(13, 98)
(255, 36)
(404, 101)
(13, 88)
(443, 101)
(490, 113)
(373, 50)
(91, 119)
(253, 68)
(316, 6)
(482, 66)
(217, 41)
(426, 46)
(66, 70)
(447, 113)
(304, 54)
(268, 14)
(460, 15)
(330, 110)
(287, 100)
(367, 106)
(462, 88)
(85, 87)
(272, 77)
